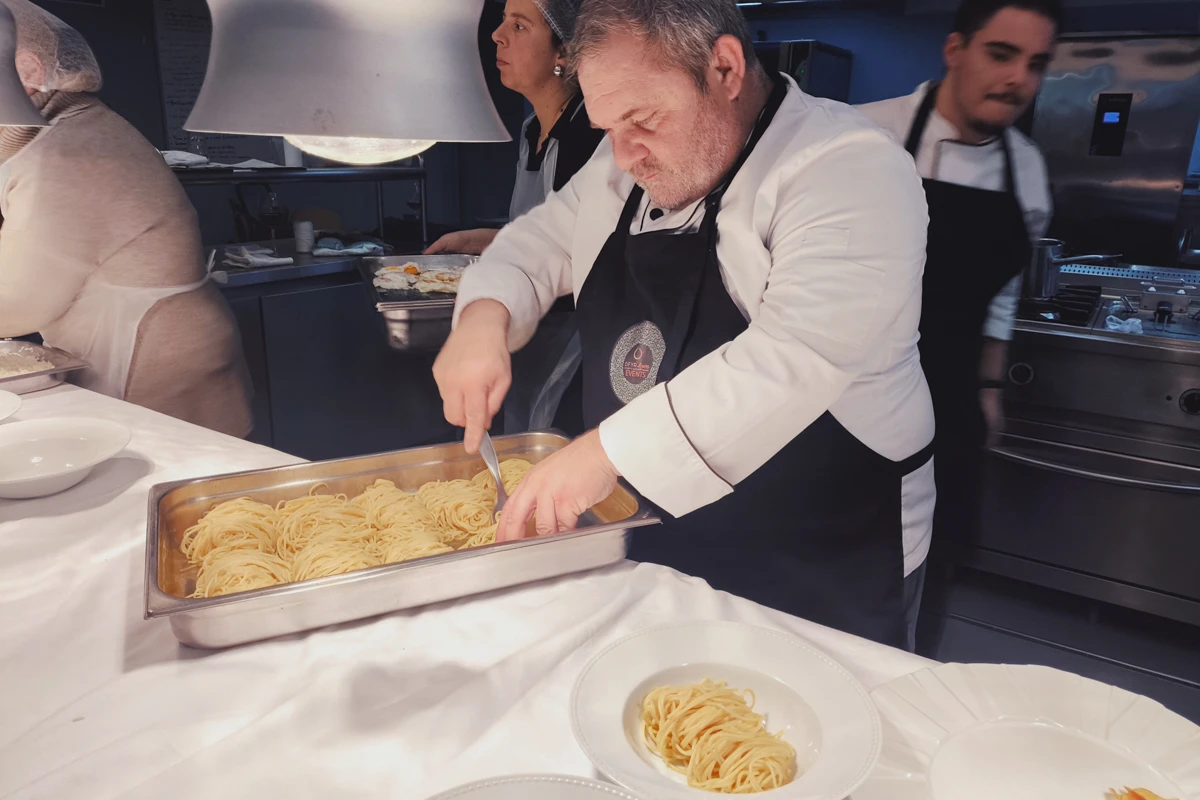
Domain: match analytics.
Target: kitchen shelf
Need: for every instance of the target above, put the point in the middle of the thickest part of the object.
(228, 176)
(215, 176)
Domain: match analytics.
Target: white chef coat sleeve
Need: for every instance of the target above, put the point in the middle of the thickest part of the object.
(1002, 311)
(528, 265)
(847, 243)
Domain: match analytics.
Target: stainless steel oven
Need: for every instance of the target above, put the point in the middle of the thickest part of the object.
(1095, 487)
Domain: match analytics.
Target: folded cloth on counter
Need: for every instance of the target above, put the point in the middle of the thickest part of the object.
(254, 256)
(180, 158)
(1132, 325)
(334, 247)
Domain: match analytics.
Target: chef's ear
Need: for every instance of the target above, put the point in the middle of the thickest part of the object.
(30, 69)
(956, 43)
(729, 65)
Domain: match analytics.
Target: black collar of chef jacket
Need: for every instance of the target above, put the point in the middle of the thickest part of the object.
(572, 123)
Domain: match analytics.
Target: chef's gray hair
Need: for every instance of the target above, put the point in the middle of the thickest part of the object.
(682, 32)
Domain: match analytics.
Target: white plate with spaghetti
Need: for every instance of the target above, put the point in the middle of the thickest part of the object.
(537, 787)
(990, 731)
(791, 720)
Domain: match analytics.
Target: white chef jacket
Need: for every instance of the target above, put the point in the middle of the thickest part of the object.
(940, 157)
(821, 245)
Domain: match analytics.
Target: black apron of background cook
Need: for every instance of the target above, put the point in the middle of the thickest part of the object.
(977, 244)
(816, 531)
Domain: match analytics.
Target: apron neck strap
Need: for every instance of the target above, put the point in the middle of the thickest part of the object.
(779, 88)
(917, 131)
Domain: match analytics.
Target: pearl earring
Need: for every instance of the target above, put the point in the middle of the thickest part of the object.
(558, 70)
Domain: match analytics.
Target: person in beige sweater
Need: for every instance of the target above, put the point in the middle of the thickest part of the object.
(100, 248)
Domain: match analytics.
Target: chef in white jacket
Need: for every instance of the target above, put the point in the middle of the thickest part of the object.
(988, 197)
(746, 262)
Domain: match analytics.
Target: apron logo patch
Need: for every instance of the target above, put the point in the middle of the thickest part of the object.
(638, 364)
(636, 358)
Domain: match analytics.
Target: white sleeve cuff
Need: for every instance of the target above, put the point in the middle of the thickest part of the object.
(507, 285)
(649, 449)
(1002, 312)
(998, 329)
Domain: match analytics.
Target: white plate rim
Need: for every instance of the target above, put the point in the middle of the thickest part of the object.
(876, 724)
(616, 792)
(10, 398)
(891, 687)
(121, 433)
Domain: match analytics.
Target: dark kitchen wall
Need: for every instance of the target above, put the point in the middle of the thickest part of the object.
(121, 34)
(893, 53)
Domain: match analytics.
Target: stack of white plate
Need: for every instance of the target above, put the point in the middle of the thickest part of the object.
(995, 732)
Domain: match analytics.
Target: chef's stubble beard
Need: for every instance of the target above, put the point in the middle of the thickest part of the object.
(710, 152)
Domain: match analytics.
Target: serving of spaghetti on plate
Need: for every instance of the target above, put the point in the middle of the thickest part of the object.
(779, 693)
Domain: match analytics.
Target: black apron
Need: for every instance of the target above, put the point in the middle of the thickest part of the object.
(816, 531)
(978, 242)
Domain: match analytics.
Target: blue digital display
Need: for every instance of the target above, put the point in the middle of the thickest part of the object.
(1112, 118)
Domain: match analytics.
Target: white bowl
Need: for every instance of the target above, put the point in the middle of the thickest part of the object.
(46, 456)
(9, 404)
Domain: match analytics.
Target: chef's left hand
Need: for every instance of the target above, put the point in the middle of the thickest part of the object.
(558, 490)
(992, 403)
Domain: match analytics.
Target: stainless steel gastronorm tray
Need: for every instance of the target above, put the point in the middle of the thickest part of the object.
(61, 363)
(250, 616)
(416, 321)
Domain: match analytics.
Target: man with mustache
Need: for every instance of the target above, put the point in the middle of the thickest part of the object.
(988, 199)
(746, 262)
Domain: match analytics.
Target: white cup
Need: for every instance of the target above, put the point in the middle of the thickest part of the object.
(305, 236)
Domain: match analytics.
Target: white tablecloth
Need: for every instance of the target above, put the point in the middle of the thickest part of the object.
(96, 702)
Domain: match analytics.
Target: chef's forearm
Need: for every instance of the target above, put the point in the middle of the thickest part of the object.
(506, 286)
(489, 313)
(993, 362)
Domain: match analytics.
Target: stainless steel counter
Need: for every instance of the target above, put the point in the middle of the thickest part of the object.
(306, 266)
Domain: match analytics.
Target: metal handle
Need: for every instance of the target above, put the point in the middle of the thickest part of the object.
(1120, 480)
(488, 451)
(1081, 259)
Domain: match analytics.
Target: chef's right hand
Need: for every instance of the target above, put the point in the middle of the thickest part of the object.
(471, 243)
(474, 370)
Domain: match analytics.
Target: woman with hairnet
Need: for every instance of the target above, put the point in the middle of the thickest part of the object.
(100, 249)
(556, 141)
(557, 138)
